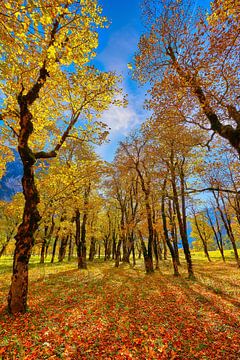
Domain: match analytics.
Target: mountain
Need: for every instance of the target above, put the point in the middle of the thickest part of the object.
(10, 183)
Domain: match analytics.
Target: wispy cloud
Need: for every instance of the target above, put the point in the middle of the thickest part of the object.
(121, 120)
(119, 50)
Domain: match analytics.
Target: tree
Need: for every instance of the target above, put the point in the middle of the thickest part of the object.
(203, 231)
(216, 231)
(48, 87)
(136, 156)
(174, 146)
(191, 59)
(9, 219)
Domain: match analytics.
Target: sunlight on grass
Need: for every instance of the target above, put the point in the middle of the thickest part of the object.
(122, 313)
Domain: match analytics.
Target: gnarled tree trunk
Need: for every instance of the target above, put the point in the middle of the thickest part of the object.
(17, 297)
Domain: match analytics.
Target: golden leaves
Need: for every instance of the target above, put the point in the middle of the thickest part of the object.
(61, 36)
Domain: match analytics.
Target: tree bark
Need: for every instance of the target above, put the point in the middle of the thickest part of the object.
(121, 239)
(204, 242)
(17, 297)
(227, 224)
(118, 253)
(82, 253)
(114, 245)
(217, 235)
(49, 236)
(148, 260)
(172, 214)
(226, 131)
(5, 245)
(92, 250)
(146, 191)
(70, 245)
(169, 244)
(63, 248)
(133, 254)
(42, 256)
(155, 239)
(54, 248)
(181, 217)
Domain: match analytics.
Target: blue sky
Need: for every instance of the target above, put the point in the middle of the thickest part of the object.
(117, 46)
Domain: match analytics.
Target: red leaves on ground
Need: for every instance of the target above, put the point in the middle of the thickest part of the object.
(121, 315)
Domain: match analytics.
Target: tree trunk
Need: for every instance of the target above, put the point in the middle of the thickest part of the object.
(5, 245)
(155, 238)
(181, 217)
(139, 249)
(204, 242)
(78, 234)
(149, 267)
(227, 224)
(164, 248)
(125, 248)
(217, 233)
(82, 250)
(146, 191)
(82, 258)
(43, 245)
(92, 250)
(220, 238)
(70, 244)
(121, 238)
(49, 236)
(114, 246)
(159, 248)
(172, 214)
(133, 254)
(54, 247)
(155, 249)
(107, 247)
(169, 244)
(148, 260)
(118, 252)
(17, 297)
(63, 248)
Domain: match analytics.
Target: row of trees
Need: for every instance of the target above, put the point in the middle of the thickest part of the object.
(145, 200)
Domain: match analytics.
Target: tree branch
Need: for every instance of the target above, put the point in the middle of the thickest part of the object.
(191, 191)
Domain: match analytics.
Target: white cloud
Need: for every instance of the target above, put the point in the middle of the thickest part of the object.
(115, 57)
(119, 50)
(121, 120)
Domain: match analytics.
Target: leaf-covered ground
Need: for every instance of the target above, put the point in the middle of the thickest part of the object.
(108, 313)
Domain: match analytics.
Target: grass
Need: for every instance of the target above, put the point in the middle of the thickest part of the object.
(108, 313)
(214, 255)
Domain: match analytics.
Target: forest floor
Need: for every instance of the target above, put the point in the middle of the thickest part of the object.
(109, 313)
